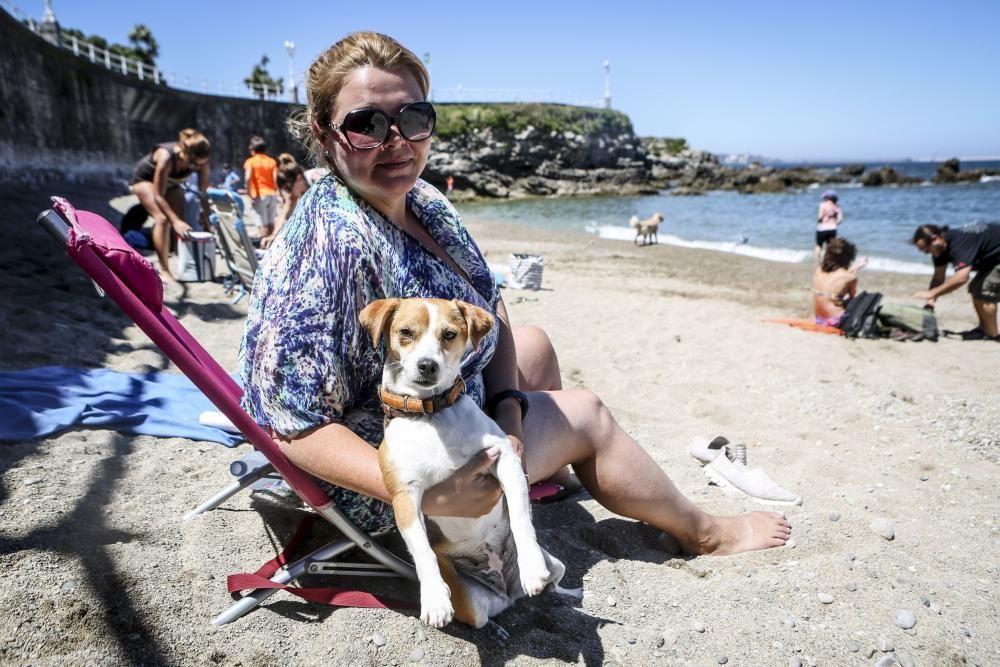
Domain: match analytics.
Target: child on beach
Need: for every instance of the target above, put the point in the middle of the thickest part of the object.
(261, 173)
(828, 218)
(292, 184)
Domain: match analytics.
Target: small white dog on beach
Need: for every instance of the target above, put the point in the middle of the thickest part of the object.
(469, 569)
(647, 229)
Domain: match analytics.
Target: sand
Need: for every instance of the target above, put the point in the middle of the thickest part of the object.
(100, 568)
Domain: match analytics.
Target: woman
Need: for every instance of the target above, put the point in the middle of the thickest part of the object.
(371, 229)
(157, 181)
(828, 218)
(292, 184)
(835, 281)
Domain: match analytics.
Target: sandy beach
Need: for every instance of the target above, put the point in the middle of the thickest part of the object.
(99, 566)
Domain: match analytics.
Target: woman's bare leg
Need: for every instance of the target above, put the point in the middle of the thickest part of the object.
(574, 427)
(161, 225)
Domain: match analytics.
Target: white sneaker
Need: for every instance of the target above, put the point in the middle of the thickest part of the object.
(706, 451)
(754, 483)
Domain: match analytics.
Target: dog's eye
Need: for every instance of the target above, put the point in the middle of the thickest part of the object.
(449, 335)
(405, 333)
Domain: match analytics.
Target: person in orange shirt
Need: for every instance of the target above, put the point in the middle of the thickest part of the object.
(261, 173)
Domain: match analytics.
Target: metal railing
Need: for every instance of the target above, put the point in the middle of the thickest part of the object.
(208, 86)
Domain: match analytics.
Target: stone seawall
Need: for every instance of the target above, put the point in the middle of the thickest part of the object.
(63, 118)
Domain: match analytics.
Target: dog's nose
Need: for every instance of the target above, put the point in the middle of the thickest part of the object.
(427, 367)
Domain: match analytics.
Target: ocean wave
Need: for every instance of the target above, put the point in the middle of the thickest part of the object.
(738, 247)
(989, 179)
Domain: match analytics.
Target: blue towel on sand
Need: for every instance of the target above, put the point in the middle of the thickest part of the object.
(42, 401)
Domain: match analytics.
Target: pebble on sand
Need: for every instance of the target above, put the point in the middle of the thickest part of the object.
(698, 627)
(851, 586)
(904, 618)
(825, 598)
(853, 646)
(378, 638)
(883, 527)
(722, 659)
(886, 661)
(417, 654)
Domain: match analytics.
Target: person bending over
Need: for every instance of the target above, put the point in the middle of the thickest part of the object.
(372, 229)
(969, 248)
(157, 181)
(835, 281)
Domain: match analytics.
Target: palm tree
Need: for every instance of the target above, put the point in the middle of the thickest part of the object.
(260, 80)
(144, 45)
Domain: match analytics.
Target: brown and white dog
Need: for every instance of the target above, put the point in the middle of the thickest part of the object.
(647, 229)
(469, 569)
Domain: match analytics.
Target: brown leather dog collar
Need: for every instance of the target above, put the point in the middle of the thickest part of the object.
(398, 405)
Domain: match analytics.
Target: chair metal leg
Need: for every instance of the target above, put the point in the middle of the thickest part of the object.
(231, 490)
(284, 576)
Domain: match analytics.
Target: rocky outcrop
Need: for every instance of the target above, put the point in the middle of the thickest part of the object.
(887, 176)
(950, 171)
(493, 157)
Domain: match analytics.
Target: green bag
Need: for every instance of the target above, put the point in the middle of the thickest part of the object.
(919, 323)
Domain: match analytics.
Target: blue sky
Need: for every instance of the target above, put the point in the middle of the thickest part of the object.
(793, 80)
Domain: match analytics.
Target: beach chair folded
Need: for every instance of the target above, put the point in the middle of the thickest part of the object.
(237, 249)
(129, 280)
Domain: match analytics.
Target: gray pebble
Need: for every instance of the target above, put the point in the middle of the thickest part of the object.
(32, 481)
(870, 651)
(631, 640)
(905, 659)
(851, 586)
(378, 638)
(904, 618)
(612, 601)
(924, 478)
(789, 622)
(924, 600)
(884, 645)
(70, 586)
(883, 527)
(421, 636)
(417, 654)
(834, 517)
(853, 646)
(722, 659)
(795, 662)
(698, 627)
(825, 598)
(885, 661)
(935, 607)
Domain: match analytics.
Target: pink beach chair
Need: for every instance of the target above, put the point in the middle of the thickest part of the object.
(129, 280)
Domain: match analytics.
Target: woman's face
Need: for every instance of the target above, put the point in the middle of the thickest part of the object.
(381, 175)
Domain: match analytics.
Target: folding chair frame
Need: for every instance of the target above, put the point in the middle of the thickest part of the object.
(192, 359)
(240, 279)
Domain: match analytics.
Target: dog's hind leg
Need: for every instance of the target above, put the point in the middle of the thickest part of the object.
(474, 603)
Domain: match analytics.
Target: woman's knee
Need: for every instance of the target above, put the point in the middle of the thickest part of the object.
(536, 359)
(589, 415)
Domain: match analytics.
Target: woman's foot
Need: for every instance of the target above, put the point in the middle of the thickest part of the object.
(167, 278)
(729, 535)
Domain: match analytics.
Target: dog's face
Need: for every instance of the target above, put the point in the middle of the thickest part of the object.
(425, 340)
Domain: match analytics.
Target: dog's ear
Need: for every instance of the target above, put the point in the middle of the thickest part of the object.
(376, 317)
(478, 320)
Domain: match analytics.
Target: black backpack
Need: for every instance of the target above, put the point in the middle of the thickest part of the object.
(861, 316)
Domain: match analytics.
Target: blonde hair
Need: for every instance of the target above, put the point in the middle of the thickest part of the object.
(193, 144)
(328, 73)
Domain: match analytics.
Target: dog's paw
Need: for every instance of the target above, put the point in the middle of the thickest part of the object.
(534, 575)
(435, 604)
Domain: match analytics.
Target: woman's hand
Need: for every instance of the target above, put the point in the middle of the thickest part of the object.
(470, 492)
(182, 229)
(266, 241)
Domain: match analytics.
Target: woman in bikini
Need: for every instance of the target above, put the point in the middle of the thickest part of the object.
(835, 281)
(157, 181)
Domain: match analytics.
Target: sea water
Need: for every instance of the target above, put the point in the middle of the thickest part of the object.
(775, 227)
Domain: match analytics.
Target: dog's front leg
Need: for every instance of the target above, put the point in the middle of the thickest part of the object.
(435, 596)
(530, 560)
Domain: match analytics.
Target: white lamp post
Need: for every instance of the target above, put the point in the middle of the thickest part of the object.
(293, 91)
(607, 85)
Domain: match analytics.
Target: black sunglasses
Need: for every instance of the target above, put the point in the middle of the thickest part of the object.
(369, 128)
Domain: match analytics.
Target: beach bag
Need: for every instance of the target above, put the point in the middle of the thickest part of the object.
(861, 316)
(908, 322)
(196, 258)
(526, 271)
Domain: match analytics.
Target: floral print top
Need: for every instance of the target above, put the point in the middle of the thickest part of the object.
(305, 360)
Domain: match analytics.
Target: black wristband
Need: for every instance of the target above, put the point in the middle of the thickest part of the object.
(491, 405)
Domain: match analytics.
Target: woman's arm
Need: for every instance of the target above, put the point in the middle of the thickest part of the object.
(334, 453)
(162, 157)
(501, 374)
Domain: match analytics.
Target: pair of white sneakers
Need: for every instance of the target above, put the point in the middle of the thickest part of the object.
(726, 466)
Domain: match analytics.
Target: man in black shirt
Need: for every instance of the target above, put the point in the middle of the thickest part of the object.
(969, 248)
